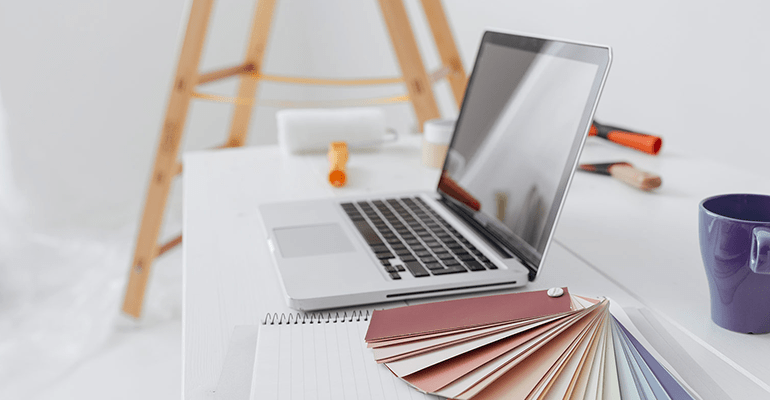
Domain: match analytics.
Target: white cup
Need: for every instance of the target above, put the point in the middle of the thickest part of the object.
(437, 134)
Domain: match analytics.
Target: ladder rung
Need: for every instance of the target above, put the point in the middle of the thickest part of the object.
(224, 73)
(441, 73)
(295, 104)
(168, 246)
(223, 99)
(334, 103)
(326, 81)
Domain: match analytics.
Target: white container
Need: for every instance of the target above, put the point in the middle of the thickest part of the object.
(437, 134)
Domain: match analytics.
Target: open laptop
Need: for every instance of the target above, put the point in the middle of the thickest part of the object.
(526, 112)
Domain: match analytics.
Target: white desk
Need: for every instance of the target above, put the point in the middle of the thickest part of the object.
(639, 249)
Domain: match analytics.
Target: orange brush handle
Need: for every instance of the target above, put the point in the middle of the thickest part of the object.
(646, 143)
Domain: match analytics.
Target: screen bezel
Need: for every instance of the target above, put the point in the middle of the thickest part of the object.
(600, 56)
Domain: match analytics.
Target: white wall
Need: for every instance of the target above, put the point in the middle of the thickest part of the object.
(694, 72)
(85, 82)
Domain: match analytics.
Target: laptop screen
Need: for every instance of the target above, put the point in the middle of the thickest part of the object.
(526, 112)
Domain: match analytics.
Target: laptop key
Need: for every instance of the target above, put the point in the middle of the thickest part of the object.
(474, 266)
(394, 276)
(434, 266)
(491, 266)
(467, 258)
(407, 258)
(400, 268)
(426, 260)
(449, 270)
(384, 256)
(416, 269)
(367, 232)
(390, 268)
(379, 248)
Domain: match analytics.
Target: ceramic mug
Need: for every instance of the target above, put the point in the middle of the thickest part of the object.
(735, 245)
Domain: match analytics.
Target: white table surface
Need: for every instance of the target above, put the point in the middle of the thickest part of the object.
(647, 243)
(640, 249)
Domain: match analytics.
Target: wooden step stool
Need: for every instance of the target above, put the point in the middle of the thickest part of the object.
(414, 76)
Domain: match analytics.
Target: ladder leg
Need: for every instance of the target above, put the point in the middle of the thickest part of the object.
(260, 29)
(408, 55)
(447, 48)
(165, 167)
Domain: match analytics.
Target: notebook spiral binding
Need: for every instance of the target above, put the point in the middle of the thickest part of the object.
(298, 318)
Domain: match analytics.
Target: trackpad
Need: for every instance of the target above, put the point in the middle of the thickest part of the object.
(312, 240)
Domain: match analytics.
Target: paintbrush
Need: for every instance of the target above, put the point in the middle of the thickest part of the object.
(645, 143)
(625, 172)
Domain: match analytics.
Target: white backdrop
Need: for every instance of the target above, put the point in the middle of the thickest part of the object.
(85, 82)
(84, 85)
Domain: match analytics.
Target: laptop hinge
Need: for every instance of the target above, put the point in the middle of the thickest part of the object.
(500, 246)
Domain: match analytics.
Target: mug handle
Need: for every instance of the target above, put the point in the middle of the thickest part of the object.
(759, 261)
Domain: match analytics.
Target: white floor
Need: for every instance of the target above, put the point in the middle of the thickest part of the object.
(140, 359)
(144, 362)
(73, 342)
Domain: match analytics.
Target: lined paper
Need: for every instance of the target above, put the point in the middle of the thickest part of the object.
(322, 361)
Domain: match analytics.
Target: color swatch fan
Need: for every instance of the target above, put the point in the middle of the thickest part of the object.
(519, 346)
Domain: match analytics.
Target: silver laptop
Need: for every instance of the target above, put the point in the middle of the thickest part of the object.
(526, 112)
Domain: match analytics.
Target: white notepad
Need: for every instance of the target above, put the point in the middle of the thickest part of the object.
(322, 360)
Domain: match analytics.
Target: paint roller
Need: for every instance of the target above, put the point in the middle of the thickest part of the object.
(312, 130)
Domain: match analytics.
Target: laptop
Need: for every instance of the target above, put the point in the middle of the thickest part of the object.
(489, 222)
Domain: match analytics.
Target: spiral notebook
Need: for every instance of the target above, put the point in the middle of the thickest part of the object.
(307, 357)
(529, 345)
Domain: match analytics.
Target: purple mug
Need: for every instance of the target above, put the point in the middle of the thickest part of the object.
(735, 245)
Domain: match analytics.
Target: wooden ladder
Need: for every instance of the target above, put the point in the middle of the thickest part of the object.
(414, 76)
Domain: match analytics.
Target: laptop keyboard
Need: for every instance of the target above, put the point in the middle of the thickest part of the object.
(407, 235)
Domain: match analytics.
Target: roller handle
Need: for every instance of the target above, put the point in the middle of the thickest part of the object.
(646, 143)
(338, 157)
